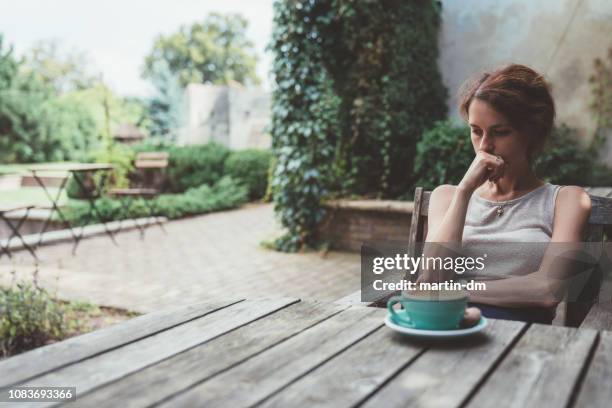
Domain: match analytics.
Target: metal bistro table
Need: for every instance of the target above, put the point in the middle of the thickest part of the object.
(79, 171)
(14, 229)
(285, 352)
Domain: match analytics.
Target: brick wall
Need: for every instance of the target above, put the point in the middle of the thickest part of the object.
(348, 224)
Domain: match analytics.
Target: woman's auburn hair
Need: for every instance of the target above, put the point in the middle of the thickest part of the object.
(521, 95)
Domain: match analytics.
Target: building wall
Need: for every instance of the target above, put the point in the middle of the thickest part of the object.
(559, 38)
(234, 116)
(348, 229)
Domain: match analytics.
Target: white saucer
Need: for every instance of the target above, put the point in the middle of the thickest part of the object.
(436, 333)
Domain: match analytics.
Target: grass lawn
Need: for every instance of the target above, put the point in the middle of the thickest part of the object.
(29, 196)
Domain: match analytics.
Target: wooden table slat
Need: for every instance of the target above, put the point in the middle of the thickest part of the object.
(542, 368)
(112, 365)
(283, 352)
(44, 359)
(262, 375)
(152, 384)
(351, 376)
(447, 372)
(596, 390)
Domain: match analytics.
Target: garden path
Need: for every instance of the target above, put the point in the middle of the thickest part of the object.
(200, 258)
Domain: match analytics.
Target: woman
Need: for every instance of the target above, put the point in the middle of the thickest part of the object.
(510, 112)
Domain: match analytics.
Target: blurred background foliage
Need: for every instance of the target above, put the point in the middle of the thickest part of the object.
(357, 84)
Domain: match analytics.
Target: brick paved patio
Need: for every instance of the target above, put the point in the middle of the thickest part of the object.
(210, 256)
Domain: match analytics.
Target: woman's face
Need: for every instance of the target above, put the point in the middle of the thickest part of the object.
(492, 133)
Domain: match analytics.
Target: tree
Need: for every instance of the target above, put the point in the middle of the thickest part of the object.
(35, 124)
(164, 108)
(64, 71)
(215, 51)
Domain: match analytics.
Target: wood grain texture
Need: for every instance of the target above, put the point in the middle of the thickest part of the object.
(596, 390)
(115, 364)
(44, 359)
(268, 372)
(351, 376)
(601, 210)
(445, 375)
(600, 315)
(184, 370)
(540, 371)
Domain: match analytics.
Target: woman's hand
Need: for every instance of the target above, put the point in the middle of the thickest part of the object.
(485, 166)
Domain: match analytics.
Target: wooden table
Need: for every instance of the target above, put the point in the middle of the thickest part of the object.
(285, 352)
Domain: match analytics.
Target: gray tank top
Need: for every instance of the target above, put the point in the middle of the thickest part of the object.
(526, 219)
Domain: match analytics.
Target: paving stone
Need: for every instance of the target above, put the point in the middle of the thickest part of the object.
(209, 256)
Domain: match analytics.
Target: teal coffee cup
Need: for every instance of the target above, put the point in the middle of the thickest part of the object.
(429, 309)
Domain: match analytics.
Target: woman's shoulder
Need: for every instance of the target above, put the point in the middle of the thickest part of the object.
(443, 193)
(572, 211)
(572, 198)
(444, 189)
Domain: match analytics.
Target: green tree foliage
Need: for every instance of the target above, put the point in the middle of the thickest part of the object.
(166, 105)
(250, 167)
(305, 121)
(357, 85)
(63, 71)
(443, 155)
(213, 51)
(35, 124)
(382, 57)
(98, 100)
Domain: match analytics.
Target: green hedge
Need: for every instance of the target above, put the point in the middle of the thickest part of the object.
(224, 194)
(250, 167)
(445, 153)
(566, 162)
(192, 166)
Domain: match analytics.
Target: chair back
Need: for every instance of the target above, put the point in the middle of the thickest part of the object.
(600, 220)
(150, 169)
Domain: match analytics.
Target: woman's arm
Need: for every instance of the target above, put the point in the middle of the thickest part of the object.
(544, 286)
(445, 221)
(447, 210)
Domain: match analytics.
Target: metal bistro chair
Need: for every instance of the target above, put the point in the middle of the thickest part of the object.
(575, 312)
(145, 183)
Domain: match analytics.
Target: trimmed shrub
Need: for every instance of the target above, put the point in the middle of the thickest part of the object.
(443, 155)
(565, 162)
(192, 166)
(250, 167)
(225, 193)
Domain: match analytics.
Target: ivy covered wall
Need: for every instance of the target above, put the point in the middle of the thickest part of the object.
(357, 85)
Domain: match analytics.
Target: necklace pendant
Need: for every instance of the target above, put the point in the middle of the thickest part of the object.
(500, 211)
